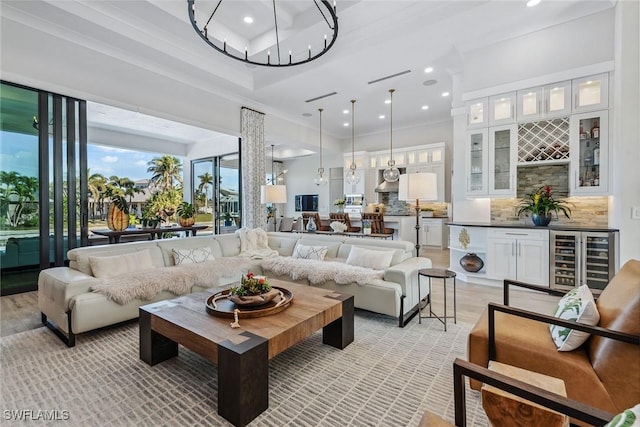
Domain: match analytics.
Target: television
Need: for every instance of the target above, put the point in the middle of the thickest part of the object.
(306, 203)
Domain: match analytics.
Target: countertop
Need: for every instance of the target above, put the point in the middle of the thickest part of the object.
(565, 227)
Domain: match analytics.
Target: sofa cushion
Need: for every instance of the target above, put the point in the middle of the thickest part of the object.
(376, 259)
(79, 257)
(192, 256)
(577, 305)
(168, 245)
(104, 267)
(229, 244)
(283, 244)
(331, 242)
(526, 344)
(617, 363)
(310, 252)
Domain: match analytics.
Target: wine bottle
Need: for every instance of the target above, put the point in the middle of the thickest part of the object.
(596, 154)
(595, 130)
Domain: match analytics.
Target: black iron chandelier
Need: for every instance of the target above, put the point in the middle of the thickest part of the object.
(210, 32)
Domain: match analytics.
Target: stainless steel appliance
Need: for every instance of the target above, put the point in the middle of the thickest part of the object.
(579, 258)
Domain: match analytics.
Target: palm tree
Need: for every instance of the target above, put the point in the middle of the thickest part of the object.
(97, 185)
(165, 170)
(206, 179)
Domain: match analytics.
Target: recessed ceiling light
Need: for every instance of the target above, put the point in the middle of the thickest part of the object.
(532, 3)
(429, 82)
(248, 20)
(345, 124)
(428, 70)
(306, 114)
(345, 111)
(425, 107)
(381, 116)
(445, 94)
(387, 101)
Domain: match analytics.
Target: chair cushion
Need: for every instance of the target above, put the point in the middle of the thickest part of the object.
(527, 344)
(577, 305)
(617, 363)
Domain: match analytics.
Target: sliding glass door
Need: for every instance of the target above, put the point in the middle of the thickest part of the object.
(216, 192)
(42, 159)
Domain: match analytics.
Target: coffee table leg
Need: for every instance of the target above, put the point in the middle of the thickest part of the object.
(154, 348)
(339, 333)
(243, 379)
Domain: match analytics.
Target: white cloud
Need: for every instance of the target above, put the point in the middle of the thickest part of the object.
(141, 163)
(110, 159)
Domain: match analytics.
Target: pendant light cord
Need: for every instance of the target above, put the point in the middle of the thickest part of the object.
(391, 123)
(273, 179)
(320, 110)
(353, 131)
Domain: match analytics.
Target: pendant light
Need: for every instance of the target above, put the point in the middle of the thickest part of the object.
(353, 174)
(391, 172)
(321, 178)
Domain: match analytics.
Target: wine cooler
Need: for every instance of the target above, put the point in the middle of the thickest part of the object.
(579, 258)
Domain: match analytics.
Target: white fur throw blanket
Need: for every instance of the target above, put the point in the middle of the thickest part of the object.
(179, 279)
(254, 243)
(318, 272)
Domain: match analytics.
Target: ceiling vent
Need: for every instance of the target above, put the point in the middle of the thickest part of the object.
(321, 96)
(401, 73)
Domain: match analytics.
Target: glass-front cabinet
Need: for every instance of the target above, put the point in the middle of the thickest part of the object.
(477, 162)
(591, 93)
(477, 113)
(544, 102)
(589, 153)
(503, 141)
(502, 109)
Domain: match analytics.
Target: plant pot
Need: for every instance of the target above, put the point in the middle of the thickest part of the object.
(186, 222)
(541, 220)
(117, 220)
(227, 223)
(471, 263)
(255, 300)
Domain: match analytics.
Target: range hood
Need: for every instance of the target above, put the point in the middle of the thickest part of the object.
(388, 187)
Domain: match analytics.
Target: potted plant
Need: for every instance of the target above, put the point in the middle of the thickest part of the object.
(253, 290)
(118, 214)
(541, 204)
(186, 214)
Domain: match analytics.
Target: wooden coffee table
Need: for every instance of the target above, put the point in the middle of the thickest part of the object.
(242, 355)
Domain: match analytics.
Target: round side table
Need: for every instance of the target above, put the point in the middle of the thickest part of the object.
(437, 273)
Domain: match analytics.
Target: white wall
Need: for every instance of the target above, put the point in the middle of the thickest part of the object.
(625, 144)
(582, 42)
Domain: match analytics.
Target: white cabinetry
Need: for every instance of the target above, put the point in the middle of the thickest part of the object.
(544, 102)
(503, 141)
(433, 232)
(502, 109)
(591, 93)
(477, 115)
(589, 146)
(518, 254)
(477, 160)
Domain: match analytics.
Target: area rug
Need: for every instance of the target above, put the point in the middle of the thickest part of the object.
(387, 377)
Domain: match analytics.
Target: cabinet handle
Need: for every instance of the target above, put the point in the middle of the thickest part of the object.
(513, 248)
(519, 249)
(517, 234)
(539, 106)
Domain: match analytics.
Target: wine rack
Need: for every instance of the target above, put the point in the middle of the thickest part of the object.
(544, 141)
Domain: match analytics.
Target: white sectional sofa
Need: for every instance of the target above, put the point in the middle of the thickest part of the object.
(69, 306)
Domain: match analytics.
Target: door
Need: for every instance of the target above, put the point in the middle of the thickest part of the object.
(502, 109)
(503, 142)
(44, 175)
(501, 253)
(477, 163)
(589, 150)
(591, 93)
(565, 265)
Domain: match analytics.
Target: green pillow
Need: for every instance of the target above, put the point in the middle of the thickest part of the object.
(577, 305)
(627, 418)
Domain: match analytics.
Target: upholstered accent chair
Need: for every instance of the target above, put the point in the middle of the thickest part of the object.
(343, 218)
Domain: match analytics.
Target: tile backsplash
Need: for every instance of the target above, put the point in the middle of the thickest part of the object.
(588, 211)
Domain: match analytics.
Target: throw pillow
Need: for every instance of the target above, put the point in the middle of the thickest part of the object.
(577, 305)
(111, 266)
(192, 255)
(310, 252)
(627, 418)
(378, 260)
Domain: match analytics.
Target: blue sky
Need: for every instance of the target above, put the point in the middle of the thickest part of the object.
(19, 152)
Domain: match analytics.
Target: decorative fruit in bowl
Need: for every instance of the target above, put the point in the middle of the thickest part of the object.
(253, 291)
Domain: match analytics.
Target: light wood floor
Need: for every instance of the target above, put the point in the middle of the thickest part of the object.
(20, 313)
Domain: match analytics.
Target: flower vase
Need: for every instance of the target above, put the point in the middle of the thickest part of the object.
(541, 220)
(471, 263)
(340, 208)
(311, 225)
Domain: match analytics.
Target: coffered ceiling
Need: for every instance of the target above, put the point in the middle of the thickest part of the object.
(376, 39)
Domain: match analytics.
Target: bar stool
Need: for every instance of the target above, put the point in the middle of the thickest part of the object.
(437, 273)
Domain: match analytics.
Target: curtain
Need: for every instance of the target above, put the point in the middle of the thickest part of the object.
(253, 172)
